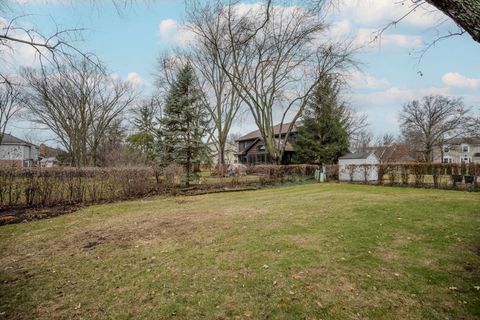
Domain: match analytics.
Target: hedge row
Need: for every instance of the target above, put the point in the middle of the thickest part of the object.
(38, 187)
(437, 175)
(281, 173)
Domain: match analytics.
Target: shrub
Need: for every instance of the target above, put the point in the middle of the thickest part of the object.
(172, 174)
(42, 187)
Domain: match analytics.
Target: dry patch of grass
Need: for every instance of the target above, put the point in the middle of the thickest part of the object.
(312, 251)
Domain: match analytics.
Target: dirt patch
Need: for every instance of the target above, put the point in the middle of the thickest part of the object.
(164, 230)
(30, 214)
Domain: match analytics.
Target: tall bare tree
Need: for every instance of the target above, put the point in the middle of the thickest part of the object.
(428, 123)
(10, 104)
(219, 96)
(276, 59)
(79, 102)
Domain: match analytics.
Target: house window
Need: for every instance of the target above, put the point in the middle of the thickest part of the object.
(261, 147)
(447, 160)
(251, 159)
(261, 158)
(466, 159)
(465, 148)
(446, 149)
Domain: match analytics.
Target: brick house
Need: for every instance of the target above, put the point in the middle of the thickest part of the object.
(458, 150)
(15, 152)
(251, 147)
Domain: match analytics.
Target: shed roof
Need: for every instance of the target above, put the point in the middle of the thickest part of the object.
(357, 155)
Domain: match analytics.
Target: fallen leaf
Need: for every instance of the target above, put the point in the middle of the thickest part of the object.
(248, 314)
(265, 266)
(453, 288)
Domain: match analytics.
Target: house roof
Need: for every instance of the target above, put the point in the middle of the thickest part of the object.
(9, 139)
(393, 153)
(466, 140)
(276, 130)
(357, 155)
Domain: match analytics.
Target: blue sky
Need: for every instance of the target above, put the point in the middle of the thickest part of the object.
(130, 42)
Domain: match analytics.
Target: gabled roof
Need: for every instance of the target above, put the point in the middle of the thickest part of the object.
(357, 155)
(9, 139)
(393, 153)
(277, 130)
(466, 140)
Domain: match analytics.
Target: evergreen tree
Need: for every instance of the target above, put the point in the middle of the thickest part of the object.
(183, 125)
(321, 138)
(145, 121)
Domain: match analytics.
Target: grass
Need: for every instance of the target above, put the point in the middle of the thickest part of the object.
(315, 251)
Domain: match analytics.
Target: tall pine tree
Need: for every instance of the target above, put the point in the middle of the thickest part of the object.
(183, 125)
(321, 138)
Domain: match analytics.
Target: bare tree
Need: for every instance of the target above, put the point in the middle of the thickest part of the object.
(363, 141)
(219, 96)
(276, 59)
(79, 102)
(428, 123)
(10, 104)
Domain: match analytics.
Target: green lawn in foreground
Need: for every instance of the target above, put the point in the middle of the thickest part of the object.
(331, 251)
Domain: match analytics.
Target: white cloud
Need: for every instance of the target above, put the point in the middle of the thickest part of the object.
(173, 32)
(135, 79)
(364, 80)
(168, 28)
(455, 79)
(375, 13)
(396, 96)
(340, 28)
(368, 37)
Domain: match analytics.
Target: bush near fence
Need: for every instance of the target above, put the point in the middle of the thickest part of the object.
(39, 187)
(436, 175)
(283, 173)
(50, 187)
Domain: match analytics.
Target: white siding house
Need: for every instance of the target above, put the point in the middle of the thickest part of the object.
(18, 153)
(358, 174)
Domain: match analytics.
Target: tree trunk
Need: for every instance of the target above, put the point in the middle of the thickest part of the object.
(465, 13)
(221, 161)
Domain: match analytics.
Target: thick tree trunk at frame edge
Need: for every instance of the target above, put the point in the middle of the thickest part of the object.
(465, 13)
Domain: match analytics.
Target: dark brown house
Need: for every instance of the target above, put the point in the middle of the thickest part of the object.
(251, 147)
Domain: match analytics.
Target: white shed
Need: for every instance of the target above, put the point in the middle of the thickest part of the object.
(349, 168)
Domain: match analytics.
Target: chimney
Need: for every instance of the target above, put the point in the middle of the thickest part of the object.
(43, 150)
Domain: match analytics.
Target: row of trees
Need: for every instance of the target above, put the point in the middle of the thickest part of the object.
(426, 125)
(271, 60)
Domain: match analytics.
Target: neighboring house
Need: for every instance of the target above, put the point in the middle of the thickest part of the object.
(348, 169)
(251, 147)
(49, 157)
(49, 162)
(15, 152)
(396, 153)
(230, 154)
(458, 150)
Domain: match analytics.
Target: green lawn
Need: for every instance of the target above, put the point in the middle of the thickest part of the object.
(332, 251)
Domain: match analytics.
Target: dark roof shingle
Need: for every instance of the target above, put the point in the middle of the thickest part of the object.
(276, 129)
